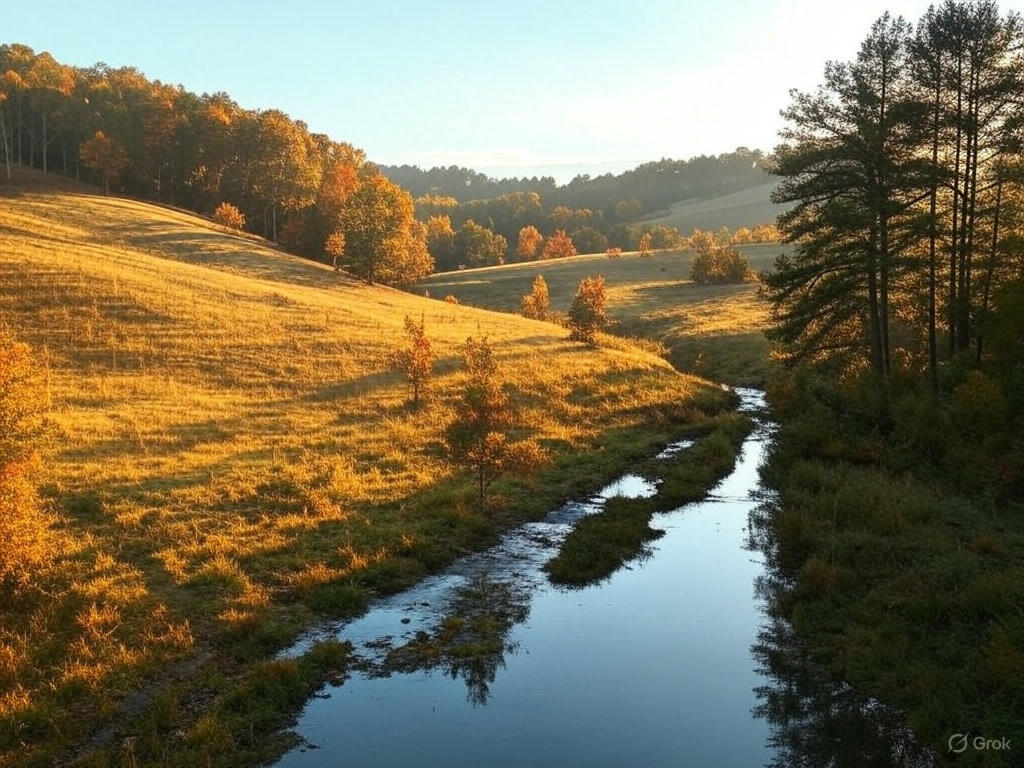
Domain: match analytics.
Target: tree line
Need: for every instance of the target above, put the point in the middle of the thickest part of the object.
(162, 142)
(653, 186)
(905, 170)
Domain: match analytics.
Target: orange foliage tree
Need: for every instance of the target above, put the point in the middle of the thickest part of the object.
(104, 155)
(558, 246)
(382, 240)
(530, 239)
(229, 216)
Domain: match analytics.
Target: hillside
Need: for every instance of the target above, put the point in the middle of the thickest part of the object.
(234, 458)
(713, 330)
(745, 208)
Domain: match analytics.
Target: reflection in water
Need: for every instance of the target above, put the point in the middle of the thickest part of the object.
(815, 719)
(650, 667)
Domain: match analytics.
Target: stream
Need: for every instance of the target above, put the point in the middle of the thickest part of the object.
(670, 661)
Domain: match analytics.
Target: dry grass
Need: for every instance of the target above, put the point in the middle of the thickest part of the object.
(746, 208)
(710, 330)
(235, 454)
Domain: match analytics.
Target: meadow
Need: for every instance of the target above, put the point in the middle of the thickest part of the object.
(234, 458)
(745, 208)
(715, 331)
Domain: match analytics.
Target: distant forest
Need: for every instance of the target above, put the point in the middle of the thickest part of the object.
(595, 212)
(264, 171)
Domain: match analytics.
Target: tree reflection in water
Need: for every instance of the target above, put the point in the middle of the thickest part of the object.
(471, 642)
(817, 721)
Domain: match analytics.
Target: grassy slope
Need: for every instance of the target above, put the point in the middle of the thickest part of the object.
(715, 331)
(234, 455)
(745, 208)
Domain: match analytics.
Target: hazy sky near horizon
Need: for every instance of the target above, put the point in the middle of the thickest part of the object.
(510, 88)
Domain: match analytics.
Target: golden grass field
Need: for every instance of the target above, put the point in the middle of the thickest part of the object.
(745, 208)
(710, 330)
(233, 457)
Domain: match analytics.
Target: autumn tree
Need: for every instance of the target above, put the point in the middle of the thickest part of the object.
(530, 239)
(284, 170)
(558, 246)
(587, 313)
(334, 246)
(416, 361)
(105, 156)
(589, 240)
(441, 241)
(382, 243)
(478, 437)
(25, 538)
(536, 304)
(229, 216)
(478, 246)
(645, 244)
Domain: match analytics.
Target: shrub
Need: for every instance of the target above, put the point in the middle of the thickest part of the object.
(536, 304)
(587, 313)
(229, 216)
(614, 252)
(450, 299)
(417, 360)
(715, 263)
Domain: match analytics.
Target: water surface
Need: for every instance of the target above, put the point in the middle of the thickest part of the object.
(651, 667)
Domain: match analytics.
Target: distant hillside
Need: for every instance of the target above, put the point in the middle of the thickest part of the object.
(745, 208)
(234, 456)
(656, 185)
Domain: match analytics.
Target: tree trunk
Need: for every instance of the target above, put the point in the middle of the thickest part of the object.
(44, 143)
(933, 353)
(952, 308)
(990, 270)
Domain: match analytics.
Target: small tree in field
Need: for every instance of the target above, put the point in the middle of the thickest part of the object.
(536, 304)
(614, 252)
(477, 438)
(587, 313)
(229, 216)
(417, 360)
(645, 244)
(334, 246)
(25, 536)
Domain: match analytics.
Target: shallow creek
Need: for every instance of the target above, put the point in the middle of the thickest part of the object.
(652, 666)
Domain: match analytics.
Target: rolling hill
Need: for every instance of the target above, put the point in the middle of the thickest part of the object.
(713, 330)
(745, 208)
(233, 459)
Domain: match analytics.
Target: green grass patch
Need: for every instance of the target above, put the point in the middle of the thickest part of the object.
(601, 543)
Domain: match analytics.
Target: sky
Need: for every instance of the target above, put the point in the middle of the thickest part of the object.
(522, 87)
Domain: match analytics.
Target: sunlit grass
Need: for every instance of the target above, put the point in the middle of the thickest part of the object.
(235, 455)
(710, 330)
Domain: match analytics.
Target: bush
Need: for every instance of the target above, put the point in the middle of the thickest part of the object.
(587, 313)
(229, 216)
(715, 263)
(614, 252)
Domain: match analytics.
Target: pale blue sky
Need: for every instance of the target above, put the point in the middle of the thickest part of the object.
(517, 87)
